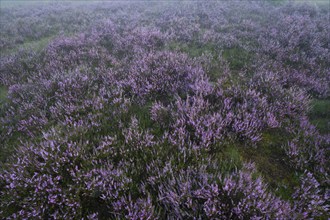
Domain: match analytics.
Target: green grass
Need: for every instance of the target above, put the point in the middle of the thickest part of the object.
(232, 159)
(193, 50)
(320, 108)
(238, 58)
(270, 160)
(35, 45)
(4, 152)
(322, 124)
(3, 93)
(320, 114)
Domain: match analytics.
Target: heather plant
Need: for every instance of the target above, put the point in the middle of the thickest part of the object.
(70, 52)
(32, 23)
(302, 56)
(161, 75)
(308, 150)
(195, 193)
(77, 177)
(56, 178)
(18, 68)
(310, 200)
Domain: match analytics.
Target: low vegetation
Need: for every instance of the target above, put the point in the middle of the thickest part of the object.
(155, 110)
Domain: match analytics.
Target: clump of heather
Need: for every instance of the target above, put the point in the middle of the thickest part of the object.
(309, 200)
(196, 193)
(73, 99)
(18, 68)
(161, 75)
(56, 178)
(308, 150)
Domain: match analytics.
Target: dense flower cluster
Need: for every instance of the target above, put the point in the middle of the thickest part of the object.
(193, 193)
(146, 110)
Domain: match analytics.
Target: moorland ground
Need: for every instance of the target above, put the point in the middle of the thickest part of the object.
(164, 110)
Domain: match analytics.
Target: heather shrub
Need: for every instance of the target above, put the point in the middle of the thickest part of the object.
(56, 177)
(195, 193)
(308, 149)
(69, 53)
(63, 99)
(161, 75)
(310, 200)
(18, 68)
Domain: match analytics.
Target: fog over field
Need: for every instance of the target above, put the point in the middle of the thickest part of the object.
(165, 109)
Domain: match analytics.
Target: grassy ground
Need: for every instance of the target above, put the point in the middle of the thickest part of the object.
(36, 45)
(320, 114)
(271, 162)
(3, 93)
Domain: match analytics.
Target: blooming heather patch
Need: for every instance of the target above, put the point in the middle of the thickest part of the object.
(145, 110)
